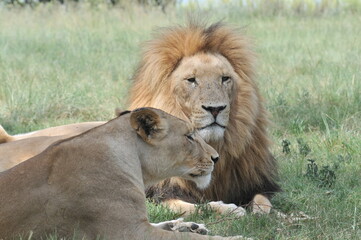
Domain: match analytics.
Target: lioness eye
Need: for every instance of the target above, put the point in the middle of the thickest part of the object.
(191, 80)
(190, 137)
(225, 78)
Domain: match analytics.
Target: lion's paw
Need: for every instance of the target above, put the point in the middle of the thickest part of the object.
(225, 208)
(261, 204)
(179, 225)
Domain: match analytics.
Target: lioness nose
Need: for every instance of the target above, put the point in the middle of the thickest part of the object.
(215, 159)
(214, 110)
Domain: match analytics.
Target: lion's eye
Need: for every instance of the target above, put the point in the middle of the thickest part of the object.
(191, 80)
(225, 78)
(190, 137)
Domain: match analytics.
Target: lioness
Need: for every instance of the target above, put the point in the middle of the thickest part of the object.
(18, 148)
(15, 152)
(95, 181)
(69, 130)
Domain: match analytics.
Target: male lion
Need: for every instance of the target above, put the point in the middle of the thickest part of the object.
(205, 75)
(95, 181)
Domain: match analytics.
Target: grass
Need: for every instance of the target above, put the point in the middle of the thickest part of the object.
(62, 66)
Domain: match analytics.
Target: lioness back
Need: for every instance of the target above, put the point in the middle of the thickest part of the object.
(18, 148)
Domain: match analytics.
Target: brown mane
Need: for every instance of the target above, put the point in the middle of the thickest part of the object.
(246, 166)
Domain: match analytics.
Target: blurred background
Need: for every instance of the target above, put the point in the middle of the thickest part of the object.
(271, 6)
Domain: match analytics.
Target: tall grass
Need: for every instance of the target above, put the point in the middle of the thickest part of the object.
(62, 66)
(59, 66)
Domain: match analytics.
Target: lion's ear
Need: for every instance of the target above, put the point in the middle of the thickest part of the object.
(149, 124)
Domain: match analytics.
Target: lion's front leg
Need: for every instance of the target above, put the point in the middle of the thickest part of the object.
(220, 207)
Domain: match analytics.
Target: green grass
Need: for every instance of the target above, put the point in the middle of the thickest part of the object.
(59, 66)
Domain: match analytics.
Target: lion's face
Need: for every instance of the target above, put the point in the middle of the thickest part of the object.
(200, 159)
(173, 147)
(193, 158)
(203, 86)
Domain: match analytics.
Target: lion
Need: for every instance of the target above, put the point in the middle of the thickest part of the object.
(205, 75)
(18, 148)
(15, 152)
(69, 130)
(95, 181)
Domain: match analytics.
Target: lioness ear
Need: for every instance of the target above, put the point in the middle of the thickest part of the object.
(148, 124)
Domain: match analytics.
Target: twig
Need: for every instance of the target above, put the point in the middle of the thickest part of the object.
(354, 219)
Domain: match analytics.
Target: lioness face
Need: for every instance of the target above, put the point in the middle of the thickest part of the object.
(203, 86)
(200, 160)
(174, 147)
(192, 157)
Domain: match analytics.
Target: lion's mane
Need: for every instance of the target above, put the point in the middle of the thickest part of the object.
(246, 166)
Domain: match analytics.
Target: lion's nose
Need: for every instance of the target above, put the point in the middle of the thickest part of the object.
(214, 110)
(215, 159)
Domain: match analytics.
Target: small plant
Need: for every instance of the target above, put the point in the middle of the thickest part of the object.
(303, 147)
(286, 146)
(326, 177)
(312, 169)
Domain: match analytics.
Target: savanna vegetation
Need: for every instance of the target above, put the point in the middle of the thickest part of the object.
(63, 65)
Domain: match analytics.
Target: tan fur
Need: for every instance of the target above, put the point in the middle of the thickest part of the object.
(15, 152)
(95, 181)
(69, 129)
(18, 148)
(162, 80)
(4, 136)
(261, 204)
(185, 208)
